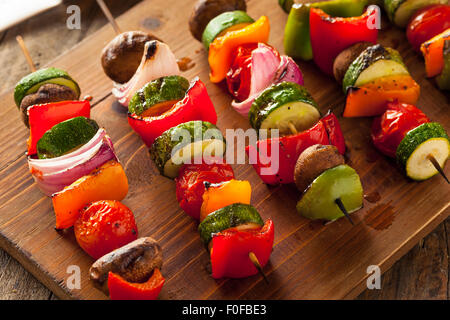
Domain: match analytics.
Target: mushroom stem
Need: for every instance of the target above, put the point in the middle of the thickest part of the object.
(437, 166)
(344, 211)
(26, 53)
(292, 128)
(109, 16)
(256, 263)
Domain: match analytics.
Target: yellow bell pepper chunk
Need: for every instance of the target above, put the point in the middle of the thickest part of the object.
(224, 194)
(220, 49)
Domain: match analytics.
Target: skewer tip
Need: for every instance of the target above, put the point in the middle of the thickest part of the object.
(344, 211)
(109, 16)
(256, 263)
(26, 53)
(438, 167)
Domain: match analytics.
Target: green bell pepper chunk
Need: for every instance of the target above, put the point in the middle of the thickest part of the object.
(286, 5)
(297, 42)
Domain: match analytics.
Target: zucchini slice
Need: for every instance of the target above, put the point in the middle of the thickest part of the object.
(401, 11)
(66, 137)
(227, 21)
(32, 82)
(379, 69)
(282, 106)
(319, 200)
(231, 216)
(374, 62)
(162, 91)
(414, 150)
(184, 143)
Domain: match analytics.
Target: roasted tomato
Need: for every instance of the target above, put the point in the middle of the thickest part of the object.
(239, 75)
(191, 180)
(390, 128)
(104, 226)
(427, 23)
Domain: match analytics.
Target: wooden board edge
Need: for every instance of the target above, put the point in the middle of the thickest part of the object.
(33, 267)
(52, 284)
(402, 250)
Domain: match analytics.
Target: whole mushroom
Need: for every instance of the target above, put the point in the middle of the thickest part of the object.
(313, 161)
(134, 262)
(46, 93)
(206, 10)
(122, 55)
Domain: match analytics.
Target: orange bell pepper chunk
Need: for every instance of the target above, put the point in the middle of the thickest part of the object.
(221, 48)
(224, 194)
(433, 53)
(107, 182)
(371, 99)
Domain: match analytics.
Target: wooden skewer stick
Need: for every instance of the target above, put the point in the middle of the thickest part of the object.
(437, 166)
(109, 16)
(344, 211)
(256, 263)
(292, 128)
(26, 53)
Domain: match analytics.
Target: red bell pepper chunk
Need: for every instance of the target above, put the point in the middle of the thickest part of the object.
(196, 105)
(121, 289)
(335, 135)
(240, 73)
(230, 249)
(280, 168)
(43, 117)
(191, 184)
(330, 35)
(389, 129)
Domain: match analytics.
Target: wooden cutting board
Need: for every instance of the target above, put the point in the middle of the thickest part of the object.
(309, 260)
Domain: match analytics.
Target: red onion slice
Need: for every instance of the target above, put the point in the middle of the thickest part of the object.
(67, 160)
(265, 64)
(52, 175)
(267, 69)
(289, 71)
(157, 61)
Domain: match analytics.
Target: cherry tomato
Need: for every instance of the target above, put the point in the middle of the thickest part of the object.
(190, 184)
(239, 75)
(427, 23)
(390, 128)
(104, 226)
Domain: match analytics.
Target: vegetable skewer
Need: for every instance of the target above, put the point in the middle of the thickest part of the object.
(267, 86)
(404, 132)
(73, 161)
(167, 104)
(371, 74)
(330, 189)
(276, 100)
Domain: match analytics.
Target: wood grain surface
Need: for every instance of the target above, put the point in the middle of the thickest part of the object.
(309, 260)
